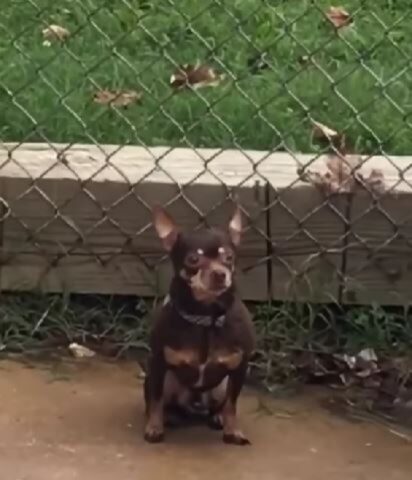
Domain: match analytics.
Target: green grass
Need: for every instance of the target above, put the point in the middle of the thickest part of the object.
(134, 44)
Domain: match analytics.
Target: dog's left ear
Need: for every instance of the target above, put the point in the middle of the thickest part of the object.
(165, 227)
(235, 226)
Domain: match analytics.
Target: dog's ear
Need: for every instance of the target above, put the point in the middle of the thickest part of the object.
(235, 226)
(165, 227)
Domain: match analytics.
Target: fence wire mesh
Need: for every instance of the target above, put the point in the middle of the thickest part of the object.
(109, 107)
(246, 79)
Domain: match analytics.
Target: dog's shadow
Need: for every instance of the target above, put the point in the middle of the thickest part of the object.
(194, 433)
(125, 425)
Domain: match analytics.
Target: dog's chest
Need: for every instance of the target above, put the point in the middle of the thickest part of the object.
(203, 362)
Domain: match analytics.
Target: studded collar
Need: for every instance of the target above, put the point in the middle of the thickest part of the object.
(201, 320)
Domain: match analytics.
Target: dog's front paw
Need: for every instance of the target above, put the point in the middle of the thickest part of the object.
(153, 435)
(236, 438)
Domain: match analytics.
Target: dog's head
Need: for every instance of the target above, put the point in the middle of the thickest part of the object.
(204, 259)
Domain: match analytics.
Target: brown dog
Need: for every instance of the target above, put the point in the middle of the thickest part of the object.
(202, 336)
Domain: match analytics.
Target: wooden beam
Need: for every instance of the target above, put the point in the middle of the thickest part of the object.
(307, 232)
(79, 218)
(379, 253)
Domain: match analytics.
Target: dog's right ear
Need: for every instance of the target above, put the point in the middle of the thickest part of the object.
(165, 227)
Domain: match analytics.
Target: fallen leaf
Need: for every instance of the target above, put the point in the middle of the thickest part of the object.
(366, 363)
(349, 360)
(117, 98)
(79, 351)
(340, 176)
(321, 131)
(339, 17)
(304, 59)
(195, 76)
(368, 355)
(55, 32)
(375, 182)
(342, 172)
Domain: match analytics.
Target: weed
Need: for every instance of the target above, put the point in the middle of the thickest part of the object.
(118, 326)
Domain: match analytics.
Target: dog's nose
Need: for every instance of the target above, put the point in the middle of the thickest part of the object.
(219, 277)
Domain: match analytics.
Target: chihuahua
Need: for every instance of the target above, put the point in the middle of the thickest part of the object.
(202, 336)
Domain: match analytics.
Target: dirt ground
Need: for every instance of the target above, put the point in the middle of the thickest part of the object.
(83, 420)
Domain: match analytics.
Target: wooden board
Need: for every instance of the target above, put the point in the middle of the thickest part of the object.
(307, 232)
(101, 201)
(84, 218)
(379, 254)
(119, 275)
(78, 210)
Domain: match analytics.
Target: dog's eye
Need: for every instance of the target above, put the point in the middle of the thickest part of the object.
(226, 255)
(229, 257)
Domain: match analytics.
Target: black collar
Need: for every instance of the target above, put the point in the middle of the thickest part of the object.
(201, 320)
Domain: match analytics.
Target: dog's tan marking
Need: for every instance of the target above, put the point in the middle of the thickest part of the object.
(180, 357)
(231, 360)
(218, 267)
(200, 285)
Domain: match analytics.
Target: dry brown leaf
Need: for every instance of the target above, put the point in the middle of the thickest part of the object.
(322, 132)
(376, 181)
(55, 32)
(343, 175)
(368, 355)
(343, 171)
(339, 17)
(195, 76)
(118, 98)
(373, 183)
(340, 177)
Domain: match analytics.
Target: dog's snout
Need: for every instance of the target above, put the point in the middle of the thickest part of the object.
(218, 277)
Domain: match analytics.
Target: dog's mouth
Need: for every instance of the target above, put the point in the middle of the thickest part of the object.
(207, 295)
(216, 291)
(207, 285)
(220, 286)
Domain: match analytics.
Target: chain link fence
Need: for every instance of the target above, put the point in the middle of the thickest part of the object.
(109, 107)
